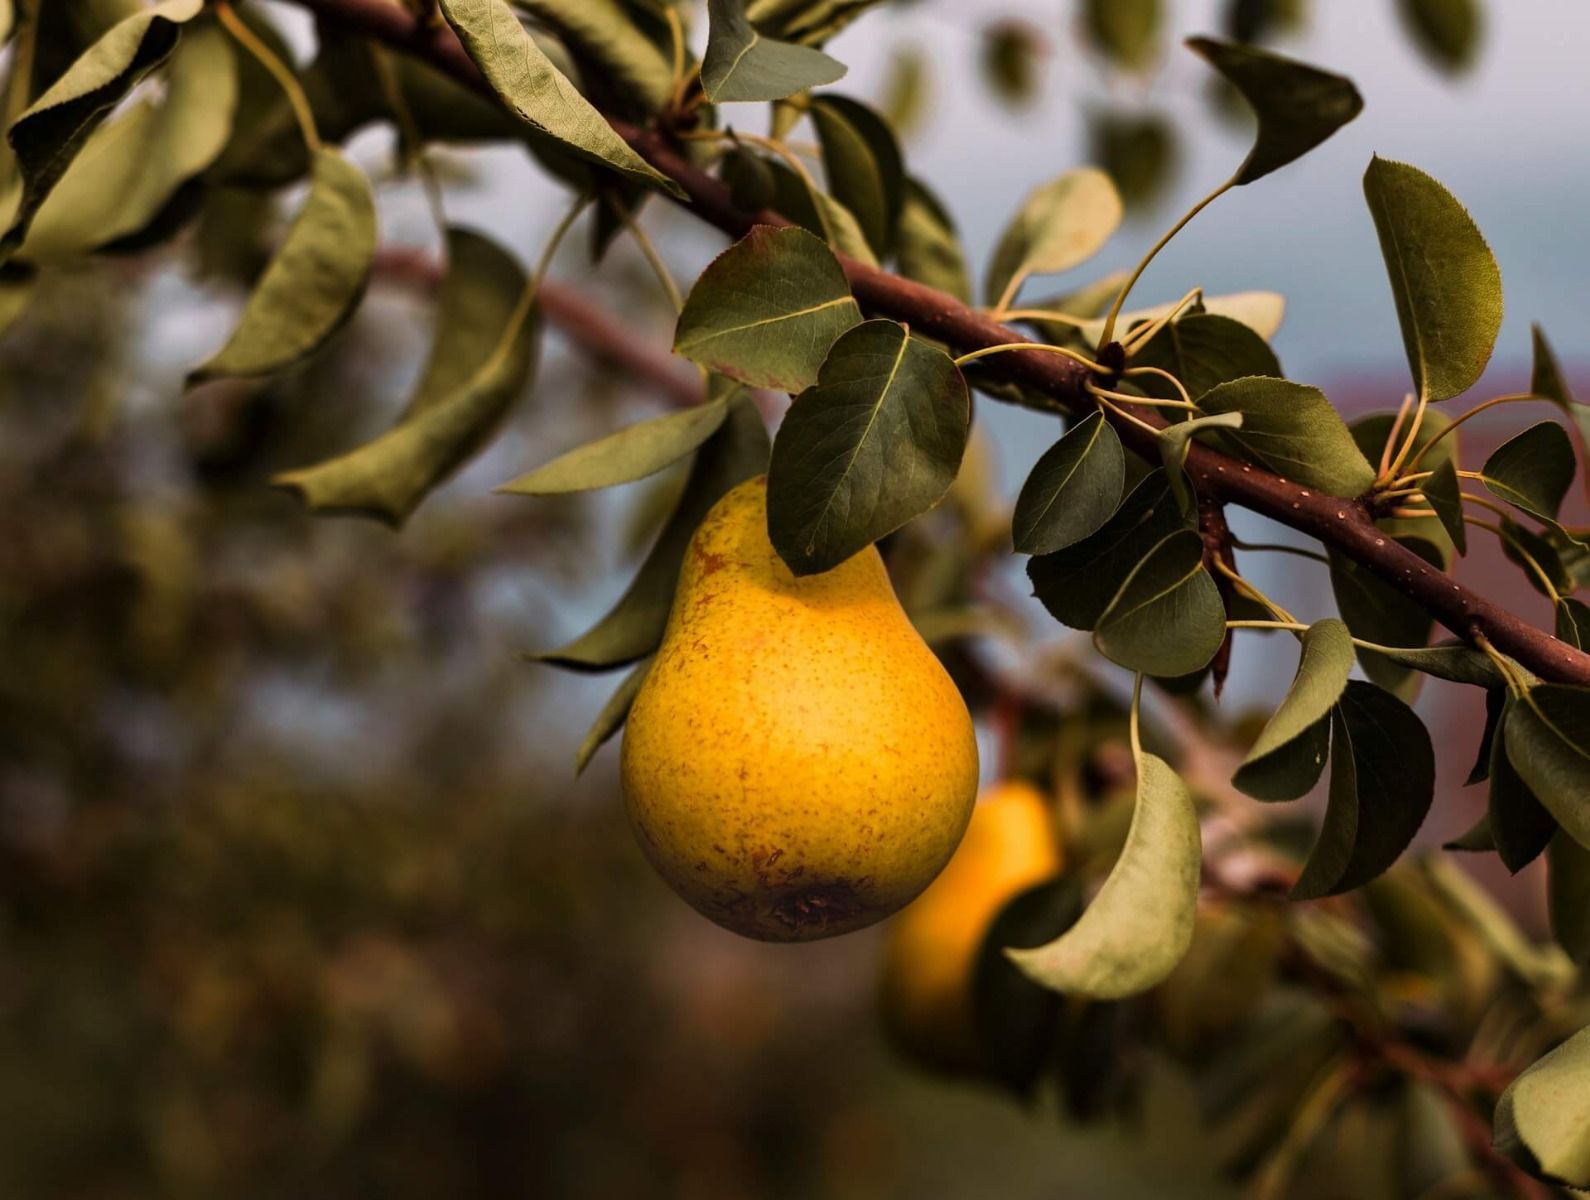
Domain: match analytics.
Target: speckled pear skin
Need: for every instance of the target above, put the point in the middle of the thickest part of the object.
(797, 763)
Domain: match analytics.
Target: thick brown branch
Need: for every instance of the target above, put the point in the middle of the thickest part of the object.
(1343, 525)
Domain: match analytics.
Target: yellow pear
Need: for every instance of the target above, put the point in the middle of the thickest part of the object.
(932, 947)
(797, 763)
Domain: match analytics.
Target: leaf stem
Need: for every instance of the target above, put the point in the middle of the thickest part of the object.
(1106, 403)
(1513, 398)
(1186, 400)
(409, 138)
(649, 249)
(1136, 339)
(1279, 548)
(1136, 719)
(1040, 314)
(1529, 559)
(1413, 435)
(1145, 401)
(283, 75)
(1043, 347)
(1515, 683)
(1251, 592)
(1137, 273)
(1391, 438)
(1485, 502)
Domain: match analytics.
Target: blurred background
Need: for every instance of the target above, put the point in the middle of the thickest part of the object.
(300, 894)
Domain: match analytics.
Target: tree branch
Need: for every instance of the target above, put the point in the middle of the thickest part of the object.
(1346, 526)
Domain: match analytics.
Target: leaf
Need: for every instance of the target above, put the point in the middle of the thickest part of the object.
(1568, 896)
(814, 210)
(877, 441)
(1298, 106)
(1445, 496)
(928, 248)
(1287, 758)
(1203, 350)
(1167, 619)
(1547, 735)
(1141, 923)
(1378, 612)
(1173, 441)
(526, 80)
(1073, 489)
(1451, 661)
(1259, 311)
(632, 453)
(1078, 583)
(1293, 430)
(1532, 470)
(129, 169)
(1546, 381)
(1444, 279)
(1008, 61)
(1573, 622)
(1446, 31)
(1495, 705)
(1382, 784)
(1062, 224)
(863, 165)
(314, 281)
(1126, 32)
(612, 717)
(1543, 1118)
(633, 627)
(1531, 551)
(809, 22)
(1520, 825)
(49, 134)
(1137, 151)
(16, 293)
(767, 310)
(601, 32)
(741, 64)
(1476, 839)
(482, 356)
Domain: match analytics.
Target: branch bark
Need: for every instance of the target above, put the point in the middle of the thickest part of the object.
(1344, 525)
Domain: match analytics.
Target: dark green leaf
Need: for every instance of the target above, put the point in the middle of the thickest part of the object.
(1073, 489)
(634, 626)
(1532, 470)
(741, 64)
(929, 249)
(1444, 279)
(877, 441)
(1138, 151)
(1377, 612)
(1535, 556)
(1292, 430)
(1061, 224)
(526, 80)
(1173, 441)
(1476, 839)
(863, 165)
(750, 179)
(1289, 755)
(632, 453)
(1009, 61)
(1451, 661)
(1546, 380)
(1125, 31)
(1446, 498)
(809, 22)
(1495, 706)
(1256, 20)
(1573, 622)
(1298, 106)
(49, 134)
(1568, 896)
(1167, 619)
(1447, 31)
(1543, 1118)
(611, 719)
(482, 356)
(814, 210)
(1382, 783)
(1520, 825)
(602, 33)
(767, 310)
(1547, 735)
(314, 281)
(1203, 351)
(1140, 924)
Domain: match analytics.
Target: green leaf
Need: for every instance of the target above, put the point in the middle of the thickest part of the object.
(1519, 542)
(1061, 225)
(1141, 923)
(1495, 705)
(767, 310)
(612, 717)
(1451, 661)
(1137, 151)
(1382, 783)
(1203, 350)
(863, 165)
(314, 281)
(16, 293)
(1073, 489)
(877, 441)
(49, 134)
(741, 64)
(129, 169)
(809, 22)
(633, 627)
(1533, 470)
(1173, 441)
(928, 248)
(1008, 61)
(1167, 619)
(1078, 583)
(1568, 896)
(1378, 612)
(482, 357)
(1476, 839)
(1292, 429)
(1546, 380)
(1543, 1118)
(1573, 622)
(1298, 106)
(1444, 279)
(526, 80)
(750, 179)
(1445, 496)
(1448, 32)
(632, 453)
(1126, 32)
(1547, 735)
(602, 33)
(1289, 755)
(1520, 825)
(814, 210)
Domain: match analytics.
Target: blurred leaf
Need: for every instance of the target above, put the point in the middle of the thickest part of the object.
(1061, 224)
(1167, 619)
(526, 80)
(905, 92)
(741, 64)
(1203, 350)
(1294, 431)
(1444, 278)
(1547, 734)
(809, 22)
(1532, 470)
(633, 627)
(482, 357)
(1543, 1118)
(1568, 895)
(314, 281)
(1520, 825)
(16, 292)
(1287, 758)
(876, 442)
(612, 717)
(632, 453)
(1126, 32)
(603, 33)
(929, 248)
(1256, 20)
(1259, 311)
(51, 131)
(1546, 380)
(1382, 784)
(1298, 106)
(1073, 489)
(1447, 31)
(1138, 151)
(1445, 496)
(767, 309)
(1377, 612)
(863, 165)
(1429, 1139)
(1573, 622)
(1009, 61)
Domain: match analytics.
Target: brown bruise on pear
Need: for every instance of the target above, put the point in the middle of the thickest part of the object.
(798, 764)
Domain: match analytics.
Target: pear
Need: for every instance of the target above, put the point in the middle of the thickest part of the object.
(797, 764)
(931, 952)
